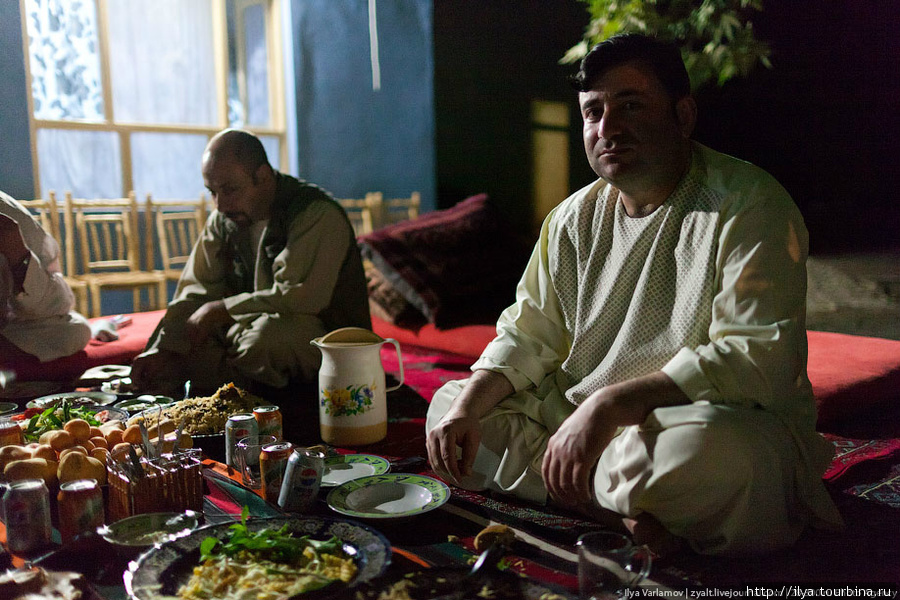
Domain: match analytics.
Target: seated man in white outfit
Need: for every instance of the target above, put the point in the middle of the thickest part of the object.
(653, 366)
(36, 316)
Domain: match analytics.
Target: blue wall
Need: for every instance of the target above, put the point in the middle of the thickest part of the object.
(352, 139)
(16, 173)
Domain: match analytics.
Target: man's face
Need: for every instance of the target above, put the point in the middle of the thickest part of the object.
(633, 135)
(238, 194)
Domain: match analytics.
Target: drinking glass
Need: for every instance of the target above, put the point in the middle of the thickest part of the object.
(248, 450)
(608, 564)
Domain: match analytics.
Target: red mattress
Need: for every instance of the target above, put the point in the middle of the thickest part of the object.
(849, 373)
(132, 339)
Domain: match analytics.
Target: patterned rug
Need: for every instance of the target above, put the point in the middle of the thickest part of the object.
(861, 459)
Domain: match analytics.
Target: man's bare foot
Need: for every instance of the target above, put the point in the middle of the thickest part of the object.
(647, 531)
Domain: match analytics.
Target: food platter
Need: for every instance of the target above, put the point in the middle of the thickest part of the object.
(211, 444)
(161, 571)
(341, 469)
(388, 496)
(74, 399)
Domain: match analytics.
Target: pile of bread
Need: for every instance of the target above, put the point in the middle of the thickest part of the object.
(79, 450)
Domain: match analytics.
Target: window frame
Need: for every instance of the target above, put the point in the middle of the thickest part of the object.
(123, 130)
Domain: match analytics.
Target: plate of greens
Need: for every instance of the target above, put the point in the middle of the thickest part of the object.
(304, 557)
(36, 422)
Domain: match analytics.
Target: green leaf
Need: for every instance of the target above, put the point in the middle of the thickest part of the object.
(722, 27)
(207, 546)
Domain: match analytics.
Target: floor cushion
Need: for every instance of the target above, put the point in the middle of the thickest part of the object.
(467, 340)
(852, 374)
(456, 266)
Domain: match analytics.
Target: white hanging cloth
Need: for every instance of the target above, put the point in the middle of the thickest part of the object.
(373, 46)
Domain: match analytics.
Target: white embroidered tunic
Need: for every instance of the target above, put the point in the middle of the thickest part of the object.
(710, 288)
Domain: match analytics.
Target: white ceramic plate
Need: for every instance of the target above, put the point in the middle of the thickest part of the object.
(388, 496)
(145, 530)
(341, 469)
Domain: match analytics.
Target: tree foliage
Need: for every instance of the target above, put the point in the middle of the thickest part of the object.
(716, 36)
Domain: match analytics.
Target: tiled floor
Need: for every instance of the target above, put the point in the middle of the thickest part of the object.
(857, 294)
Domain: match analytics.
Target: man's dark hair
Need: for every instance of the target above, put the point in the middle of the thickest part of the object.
(662, 58)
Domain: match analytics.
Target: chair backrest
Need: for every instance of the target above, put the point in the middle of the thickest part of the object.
(178, 224)
(363, 212)
(46, 211)
(401, 209)
(107, 233)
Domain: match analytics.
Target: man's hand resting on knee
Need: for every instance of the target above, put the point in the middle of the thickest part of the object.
(461, 426)
(573, 451)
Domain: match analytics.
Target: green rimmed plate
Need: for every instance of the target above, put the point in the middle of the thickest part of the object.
(388, 496)
(341, 469)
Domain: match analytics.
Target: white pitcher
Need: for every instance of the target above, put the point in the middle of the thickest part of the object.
(352, 392)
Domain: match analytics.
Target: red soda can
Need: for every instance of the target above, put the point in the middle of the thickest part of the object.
(302, 478)
(80, 508)
(26, 512)
(273, 460)
(11, 433)
(269, 421)
(238, 426)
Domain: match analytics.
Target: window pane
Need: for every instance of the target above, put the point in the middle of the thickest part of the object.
(84, 162)
(167, 165)
(271, 145)
(235, 104)
(64, 59)
(161, 61)
(257, 65)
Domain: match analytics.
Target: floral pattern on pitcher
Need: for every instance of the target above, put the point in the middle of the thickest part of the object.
(348, 401)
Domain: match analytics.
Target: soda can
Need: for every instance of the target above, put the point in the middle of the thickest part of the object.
(11, 433)
(273, 460)
(302, 478)
(26, 512)
(269, 421)
(80, 508)
(238, 426)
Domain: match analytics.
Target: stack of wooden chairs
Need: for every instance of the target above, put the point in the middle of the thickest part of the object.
(107, 245)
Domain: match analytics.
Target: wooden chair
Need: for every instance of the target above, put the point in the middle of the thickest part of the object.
(362, 212)
(107, 235)
(46, 211)
(400, 209)
(177, 224)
